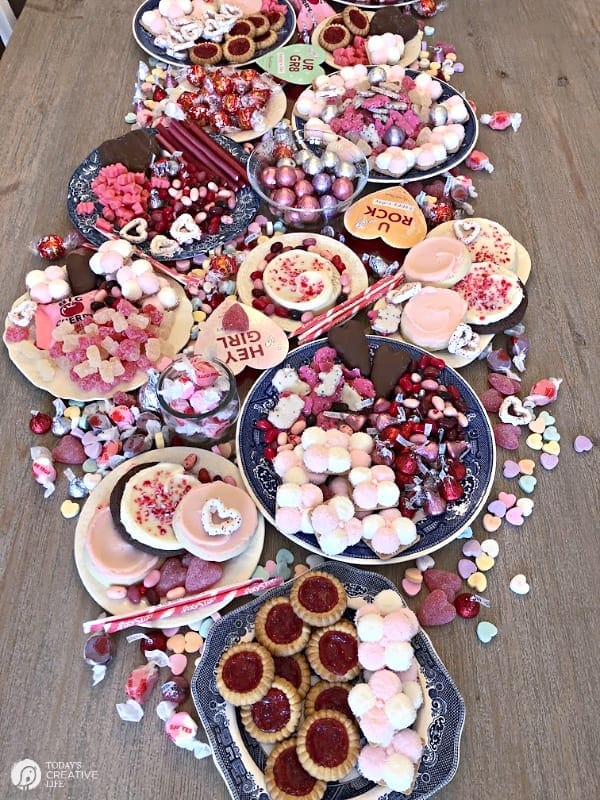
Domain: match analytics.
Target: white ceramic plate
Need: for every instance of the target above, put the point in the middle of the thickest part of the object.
(235, 570)
(241, 760)
(36, 366)
(411, 52)
(359, 280)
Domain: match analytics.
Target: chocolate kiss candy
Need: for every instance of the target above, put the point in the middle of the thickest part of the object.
(351, 344)
(389, 364)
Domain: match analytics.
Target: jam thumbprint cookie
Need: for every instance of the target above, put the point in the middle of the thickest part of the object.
(280, 629)
(294, 669)
(318, 598)
(333, 652)
(206, 53)
(276, 715)
(327, 744)
(239, 49)
(245, 673)
(326, 696)
(286, 778)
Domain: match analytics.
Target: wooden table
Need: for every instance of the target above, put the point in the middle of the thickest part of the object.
(532, 726)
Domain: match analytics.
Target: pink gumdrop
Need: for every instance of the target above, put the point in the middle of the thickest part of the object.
(371, 655)
(371, 762)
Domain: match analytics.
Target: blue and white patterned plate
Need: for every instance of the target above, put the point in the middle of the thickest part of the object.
(146, 40)
(454, 159)
(80, 191)
(241, 760)
(435, 532)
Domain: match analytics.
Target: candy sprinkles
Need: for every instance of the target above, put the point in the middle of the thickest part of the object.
(138, 323)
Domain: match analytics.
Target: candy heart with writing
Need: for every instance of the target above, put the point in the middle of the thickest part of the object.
(486, 632)
(261, 345)
(582, 444)
(436, 610)
(465, 568)
(389, 214)
(553, 448)
(527, 483)
(519, 584)
(447, 582)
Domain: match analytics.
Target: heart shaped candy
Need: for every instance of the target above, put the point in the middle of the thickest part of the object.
(436, 610)
(424, 562)
(553, 448)
(314, 560)
(534, 441)
(537, 425)
(582, 444)
(519, 584)
(497, 508)
(548, 461)
(471, 549)
(526, 466)
(490, 547)
(235, 319)
(527, 483)
(467, 533)
(550, 434)
(546, 418)
(491, 522)
(352, 347)
(219, 520)
(484, 562)
(526, 505)
(447, 582)
(410, 588)
(514, 516)
(477, 581)
(284, 556)
(388, 365)
(465, 568)
(486, 632)
(177, 663)
(508, 499)
(511, 469)
(69, 450)
(69, 509)
(271, 567)
(202, 574)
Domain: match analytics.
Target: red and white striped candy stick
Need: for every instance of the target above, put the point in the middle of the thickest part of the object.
(185, 605)
(342, 313)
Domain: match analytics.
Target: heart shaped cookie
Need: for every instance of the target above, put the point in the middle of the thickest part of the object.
(389, 214)
(217, 519)
(135, 231)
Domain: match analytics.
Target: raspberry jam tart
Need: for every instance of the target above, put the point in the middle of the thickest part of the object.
(327, 696)
(280, 629)
(276, 715)
(245, 673)
(286, 778)
(294, 669)
(318, 598)
(327, 745)
(333, 652)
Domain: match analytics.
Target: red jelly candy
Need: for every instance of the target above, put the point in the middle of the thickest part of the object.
(155, 640)
(501, 383)
(447, 582)
(491, 400)
(202, 575)
(69, 450)
(436, 610)
(506, 435)
(466, 606)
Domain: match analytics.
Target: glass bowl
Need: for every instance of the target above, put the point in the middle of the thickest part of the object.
(307, 179)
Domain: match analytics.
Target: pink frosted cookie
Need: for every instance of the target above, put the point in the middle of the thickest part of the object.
(215, 521)
(112, 560)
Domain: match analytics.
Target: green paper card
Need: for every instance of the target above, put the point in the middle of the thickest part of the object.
(298, 63)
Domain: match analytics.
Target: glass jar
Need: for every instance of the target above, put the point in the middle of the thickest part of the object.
(199, 400)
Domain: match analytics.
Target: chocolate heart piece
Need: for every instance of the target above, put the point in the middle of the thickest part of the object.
(135, 150)
(202, 575)
(81, 278)
(389, 364)
(351, 344)
(436, 610)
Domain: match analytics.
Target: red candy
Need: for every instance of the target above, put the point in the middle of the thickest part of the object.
(506, 435)
(466, 606)
(501, 383)
(51, 247)
(491, 400)
(436, 610)
(444, 581)
(69, 450)
(141, 682)
(40, 423)
(155, 640)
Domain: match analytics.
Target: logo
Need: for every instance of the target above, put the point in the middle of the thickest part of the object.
(26, 774)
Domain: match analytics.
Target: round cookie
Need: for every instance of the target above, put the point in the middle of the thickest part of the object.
(430, 318)
(215, 521)
(485, 239)
(496, 299)
(392, 19)
(440, 261)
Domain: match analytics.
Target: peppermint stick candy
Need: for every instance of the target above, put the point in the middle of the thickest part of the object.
(346, 310)
(185, 605)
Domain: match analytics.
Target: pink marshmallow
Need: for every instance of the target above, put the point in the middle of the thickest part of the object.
(371, 655)
(409, 744)
(385, 684)
(400, 626)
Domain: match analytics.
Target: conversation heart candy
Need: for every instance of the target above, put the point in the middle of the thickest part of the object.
(471, 549)
(436, 610)
(508, 499)
(497, 508)
(537, 425)
(490, 547)
(466, 533)
(465, 568)
(69, 509)
(511, 469)
(410, 587)
(553, 448)
(548, 461)
(534, 441)
(484, 562)
(546, 417)
(424, 562)
(527, 483)
(271, 567)
(525, 504)
(582, 444)
(519, 584)
(177, 663)
(526, 466)
(486, 632)
(477, 581)
(514, 516)
(491, 522)
(550, 434)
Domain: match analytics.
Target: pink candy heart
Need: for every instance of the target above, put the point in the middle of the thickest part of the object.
(548, 461)
(510, 469)
(466, 568)
(472, 548)
(514, 516)
(497, 508)
(508, 499)
(410, 587)
(436, 610)
(582, 444)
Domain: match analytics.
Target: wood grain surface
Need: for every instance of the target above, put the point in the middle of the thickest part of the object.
(531, 732)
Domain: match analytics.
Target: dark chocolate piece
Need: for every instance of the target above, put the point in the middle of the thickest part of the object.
(389, 364)
(81, 278)
(506, 322)
(392, 19)
(115, 509)
(134, 150)
(352, 346)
